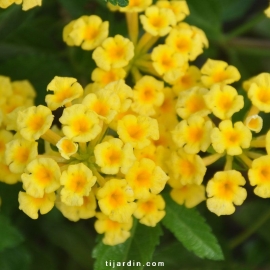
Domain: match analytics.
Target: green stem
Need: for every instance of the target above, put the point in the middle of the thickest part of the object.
(249, 231)
(244, 27)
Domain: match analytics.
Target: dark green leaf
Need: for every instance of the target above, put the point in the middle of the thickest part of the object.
(138, 248)
(9, 235)
(190, 228)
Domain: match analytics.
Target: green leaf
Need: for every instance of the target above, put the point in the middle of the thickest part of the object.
(121, 3)
(190, 229)
(138, 248)
(9, 235)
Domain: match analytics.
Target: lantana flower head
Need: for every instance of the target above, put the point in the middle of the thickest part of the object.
(216, 71)
(259, 176)
(114, 232)
(224, 101)
(77, 180)
(224, 191)
(231, 138)
(65, 90)
(87, 31)
(80, 124)
(113, 154)
(34, 121)
(158, 21)
(150, 210)
(42, 176)
(145, 177)
(114, 52)
(192, 102)
(116, 200)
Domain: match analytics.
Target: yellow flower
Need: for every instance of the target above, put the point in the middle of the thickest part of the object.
(179, 8)
(231, 138)
(67, 147)
(80, 123)
(42, 176)
(216, 71)
(259, 176)
(254, 123)
(11, 118)
(224, 101)
(145, 177)
(136, 6)
(147, 94)
(66, 33)
(259, 92)
(224, 191)
(7, 176)
(113, 154)
(28, 4)
(115, 232)
(189, 195)
(34, 121)
(85, 211)
(115, 200)
(185, 168)
(106, 104)
(31, 205)
(77, 180)
(5, 137)
(23, 88)
(150, 210)
(65, 90)
(103, 77)
(192, 102)
(5, 89)
(19, 153)
(114, 53)
(193, 134)
(137, 130)
(158, 21)
(267, 12)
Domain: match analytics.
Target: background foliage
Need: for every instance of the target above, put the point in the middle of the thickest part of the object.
(31, 47)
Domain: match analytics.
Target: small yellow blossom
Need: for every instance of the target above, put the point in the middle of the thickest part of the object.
(189, 195)
(11, 118)
(254, 123)
(224, 191)
(80, 123)
(186, 168)
(150, 210)
(114, 52)
(67, 147)
(145, 177)
(23, 88)
(158, 21)
(193, 134)
(75, 213)
(179, 8)
(31, 205)
(42, 176)
(216, 71)
(224, 101)
(231, 138)
(5, 137)
(259, 92)
(5, 88)
(136, 6)
(115, 232)
(65, 90)
(7, 176)
(77, 180)
(267, 12)
(87, 31)
(259, 176)
(115, 200)
(34, 121)
(112, 155)
(19, 153)
(103, 77)
(192, 102)
(147, 94)
(137, 130)
(28, 4)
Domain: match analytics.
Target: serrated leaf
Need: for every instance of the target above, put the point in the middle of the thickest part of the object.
(190, 228)
(9, 235)
(138, 248)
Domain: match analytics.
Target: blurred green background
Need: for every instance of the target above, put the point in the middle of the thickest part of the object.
(31, 47)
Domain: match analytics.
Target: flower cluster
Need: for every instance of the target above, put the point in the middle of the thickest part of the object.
(149, 117)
